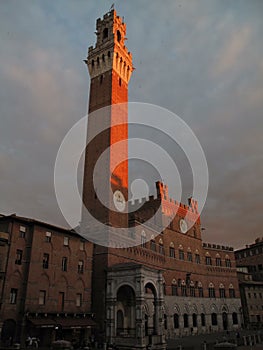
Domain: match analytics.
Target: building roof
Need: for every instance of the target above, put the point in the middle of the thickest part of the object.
(26, 220)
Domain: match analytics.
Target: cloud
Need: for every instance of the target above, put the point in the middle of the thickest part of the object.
(230, 55)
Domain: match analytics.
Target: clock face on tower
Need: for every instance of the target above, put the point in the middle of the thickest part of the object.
(119, 200)
(183, 226)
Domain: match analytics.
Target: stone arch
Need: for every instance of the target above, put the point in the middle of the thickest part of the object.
(207, 254)
(194, 309)
(213, 308)
(186, 309)
(177, 309)
(224, 308)
(172, 244)
(202, 309)
(125, 309)
(189, 250)
(151, 285)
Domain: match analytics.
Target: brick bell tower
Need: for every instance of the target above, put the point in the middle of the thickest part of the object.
(110, 68)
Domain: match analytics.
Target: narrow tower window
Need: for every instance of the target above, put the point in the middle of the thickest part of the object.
(105, 33)
(118, 36)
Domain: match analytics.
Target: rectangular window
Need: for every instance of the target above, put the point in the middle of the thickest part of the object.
(22, 231)
(228, 263)
(222, 293)
(172, 252)
(192, 291)
(208, 260)
(13, 296)
(197, 258)
(143, 239)
(183, 291)
(42, 297)
(45, 261)
(181, 254)
(79, 300)
(174, 289)
(161, 249)
(19, 254)
(80, 266)
(218, 262)
(66, 241)
(64, 264)
(189, 256)
(153, 245)
(48, 237)
(232, 293)
(211, 292)
(81, 245)
(200, 292)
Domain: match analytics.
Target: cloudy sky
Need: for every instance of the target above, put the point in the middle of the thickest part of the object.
(201, 59)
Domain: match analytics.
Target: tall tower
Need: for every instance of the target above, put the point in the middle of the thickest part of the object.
(110, 67)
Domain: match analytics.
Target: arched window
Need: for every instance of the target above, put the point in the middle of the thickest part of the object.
(153, 244)
(181, 252)
(214, 319)
(203, 320)
(211, 291)
(98, 61)
(189, 255)
(143, 239)
(174, 287)
(186, 325)
(109, 54)
(208, 260)
(227, 261)
(171, 250)
(103, 57)
(200, 290)
(194, 316)
(234, 318)
(218, 260)
(231, 291)
(222, 291)
(183, 289)
(197, 257)
(192, 289)
(161, 249)
(176, 321)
